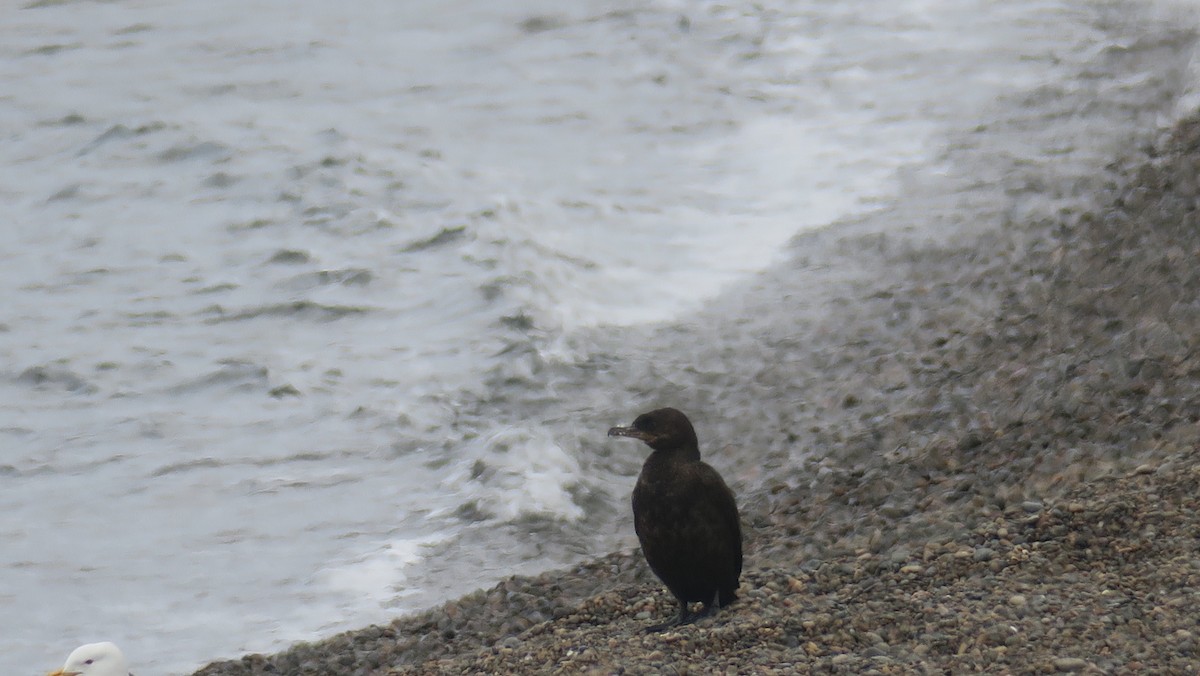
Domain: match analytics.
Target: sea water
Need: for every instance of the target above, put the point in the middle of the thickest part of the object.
(276, 275)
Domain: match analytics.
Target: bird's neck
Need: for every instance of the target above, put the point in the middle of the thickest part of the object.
(669, 457)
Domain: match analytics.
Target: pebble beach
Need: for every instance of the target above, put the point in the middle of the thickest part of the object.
(1000, 474)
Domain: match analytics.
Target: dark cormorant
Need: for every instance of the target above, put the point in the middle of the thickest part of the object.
(685, 516)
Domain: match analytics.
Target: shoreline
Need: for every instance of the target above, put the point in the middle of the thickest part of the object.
(999, 472)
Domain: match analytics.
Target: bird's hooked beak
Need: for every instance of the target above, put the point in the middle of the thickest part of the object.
(632, 432)
(64, 672)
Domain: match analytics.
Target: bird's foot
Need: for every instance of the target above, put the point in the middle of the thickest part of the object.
(685, 617)
(661, 626)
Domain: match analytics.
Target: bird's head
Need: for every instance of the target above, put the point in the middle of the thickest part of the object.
(94, 659)
(660, 429)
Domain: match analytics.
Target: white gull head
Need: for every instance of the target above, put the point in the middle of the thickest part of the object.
(95, 659)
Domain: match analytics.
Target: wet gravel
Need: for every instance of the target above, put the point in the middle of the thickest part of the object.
(1002, 475)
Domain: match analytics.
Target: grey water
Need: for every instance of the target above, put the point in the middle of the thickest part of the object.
(286, 284)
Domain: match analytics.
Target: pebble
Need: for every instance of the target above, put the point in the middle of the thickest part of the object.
(983, 554)
(1070, 664)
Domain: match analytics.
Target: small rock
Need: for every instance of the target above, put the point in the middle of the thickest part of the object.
(1017, 600)
(1032, 506)
(1070, 664)
(983, 554)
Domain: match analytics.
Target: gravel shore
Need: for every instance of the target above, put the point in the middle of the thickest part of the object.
(1002, 475)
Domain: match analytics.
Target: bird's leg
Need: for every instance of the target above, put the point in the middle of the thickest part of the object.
(707, 609)
(687, 617)
(684, 618)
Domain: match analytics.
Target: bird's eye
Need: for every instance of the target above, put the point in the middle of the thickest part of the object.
(88, 661)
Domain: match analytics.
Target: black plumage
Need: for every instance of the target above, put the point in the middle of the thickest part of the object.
(685, 515)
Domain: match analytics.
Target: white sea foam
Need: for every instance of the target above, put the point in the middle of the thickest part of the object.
(378, 577)
(515, 471)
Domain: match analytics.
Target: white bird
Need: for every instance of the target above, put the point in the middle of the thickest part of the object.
(95, 659)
